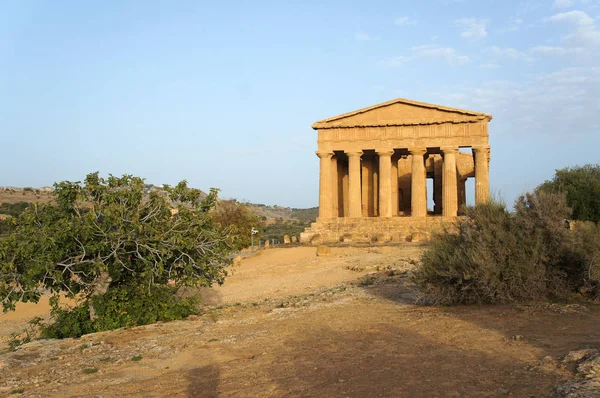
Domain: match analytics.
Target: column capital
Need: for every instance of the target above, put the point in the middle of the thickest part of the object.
(481, 149)
(449, 149)
(324, 154)
(385, 152)
(417, 151)
(354, 154)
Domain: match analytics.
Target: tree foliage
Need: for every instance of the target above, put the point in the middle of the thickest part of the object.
(280, 228)
(581, 185)
(13, 209)
(103, 235)
(237, 220)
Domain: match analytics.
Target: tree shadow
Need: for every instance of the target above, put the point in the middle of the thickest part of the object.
(391, 286)
(203, 381)
(366, 358)
(554, 328)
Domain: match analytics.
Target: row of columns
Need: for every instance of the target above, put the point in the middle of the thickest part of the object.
(388, 185)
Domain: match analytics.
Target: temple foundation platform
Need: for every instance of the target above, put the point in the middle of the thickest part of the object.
(375, 229)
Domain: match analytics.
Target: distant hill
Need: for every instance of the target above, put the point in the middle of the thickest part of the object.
(274, 213)
(271, 214)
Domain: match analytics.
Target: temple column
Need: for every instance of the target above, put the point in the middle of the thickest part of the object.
(462, 192)
(325, 186)
(345, 193)
(449, 183)
(395, 198)
(418, 183)
(482, 178)
(385, 182)
(335, 188)
(354, 194)
(404, 183)
(437, 184)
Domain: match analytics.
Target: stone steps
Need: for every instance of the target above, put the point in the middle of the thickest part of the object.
(374, 230)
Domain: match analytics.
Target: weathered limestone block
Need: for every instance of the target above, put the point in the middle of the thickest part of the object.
(286, 239)
(267, 244)
(416, 237)
(383, 237)
(323, 251)
(294, 239)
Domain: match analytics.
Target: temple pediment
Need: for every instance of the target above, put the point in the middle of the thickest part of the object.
(401, 112)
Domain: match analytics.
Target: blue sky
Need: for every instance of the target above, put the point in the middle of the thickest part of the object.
(223, 93)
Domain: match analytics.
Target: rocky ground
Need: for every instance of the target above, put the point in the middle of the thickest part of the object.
(290, 324)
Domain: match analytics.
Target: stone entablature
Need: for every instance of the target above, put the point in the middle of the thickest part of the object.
(374, 162)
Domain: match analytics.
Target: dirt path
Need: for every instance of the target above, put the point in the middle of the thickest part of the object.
(316, 329)
(297, 270)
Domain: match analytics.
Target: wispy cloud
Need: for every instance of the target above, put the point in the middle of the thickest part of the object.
(404, 21)
(472, 28)
(362, 36)
(576, 17)
(428, 52)
(490, 65)
(513, 24)
(556, 51)
(563, 3)
(561, 103)
(584, 34)
(511, 54)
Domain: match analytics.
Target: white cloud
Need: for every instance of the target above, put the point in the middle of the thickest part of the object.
(556, 51)
(584, 34)
(514, 24)
(563, 3)
(362, 36)
(576, 17)
(472, 28)
(511, 54)
(429, 52)
(405, 21)
(561, 103)
(490, 65)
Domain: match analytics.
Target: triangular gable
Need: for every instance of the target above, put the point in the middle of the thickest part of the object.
(401, 112)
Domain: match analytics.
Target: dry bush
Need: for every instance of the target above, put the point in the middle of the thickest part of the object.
(497, 256)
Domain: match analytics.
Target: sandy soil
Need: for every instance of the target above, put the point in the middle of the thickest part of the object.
(25, 196)
(289, 324)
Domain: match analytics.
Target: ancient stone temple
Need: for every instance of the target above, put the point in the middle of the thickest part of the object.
(374, 165)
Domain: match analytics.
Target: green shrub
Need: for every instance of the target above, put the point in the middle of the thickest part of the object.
(497, 256)
(13, 209)
(71, 322)
(127, 306)
(122, 306)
